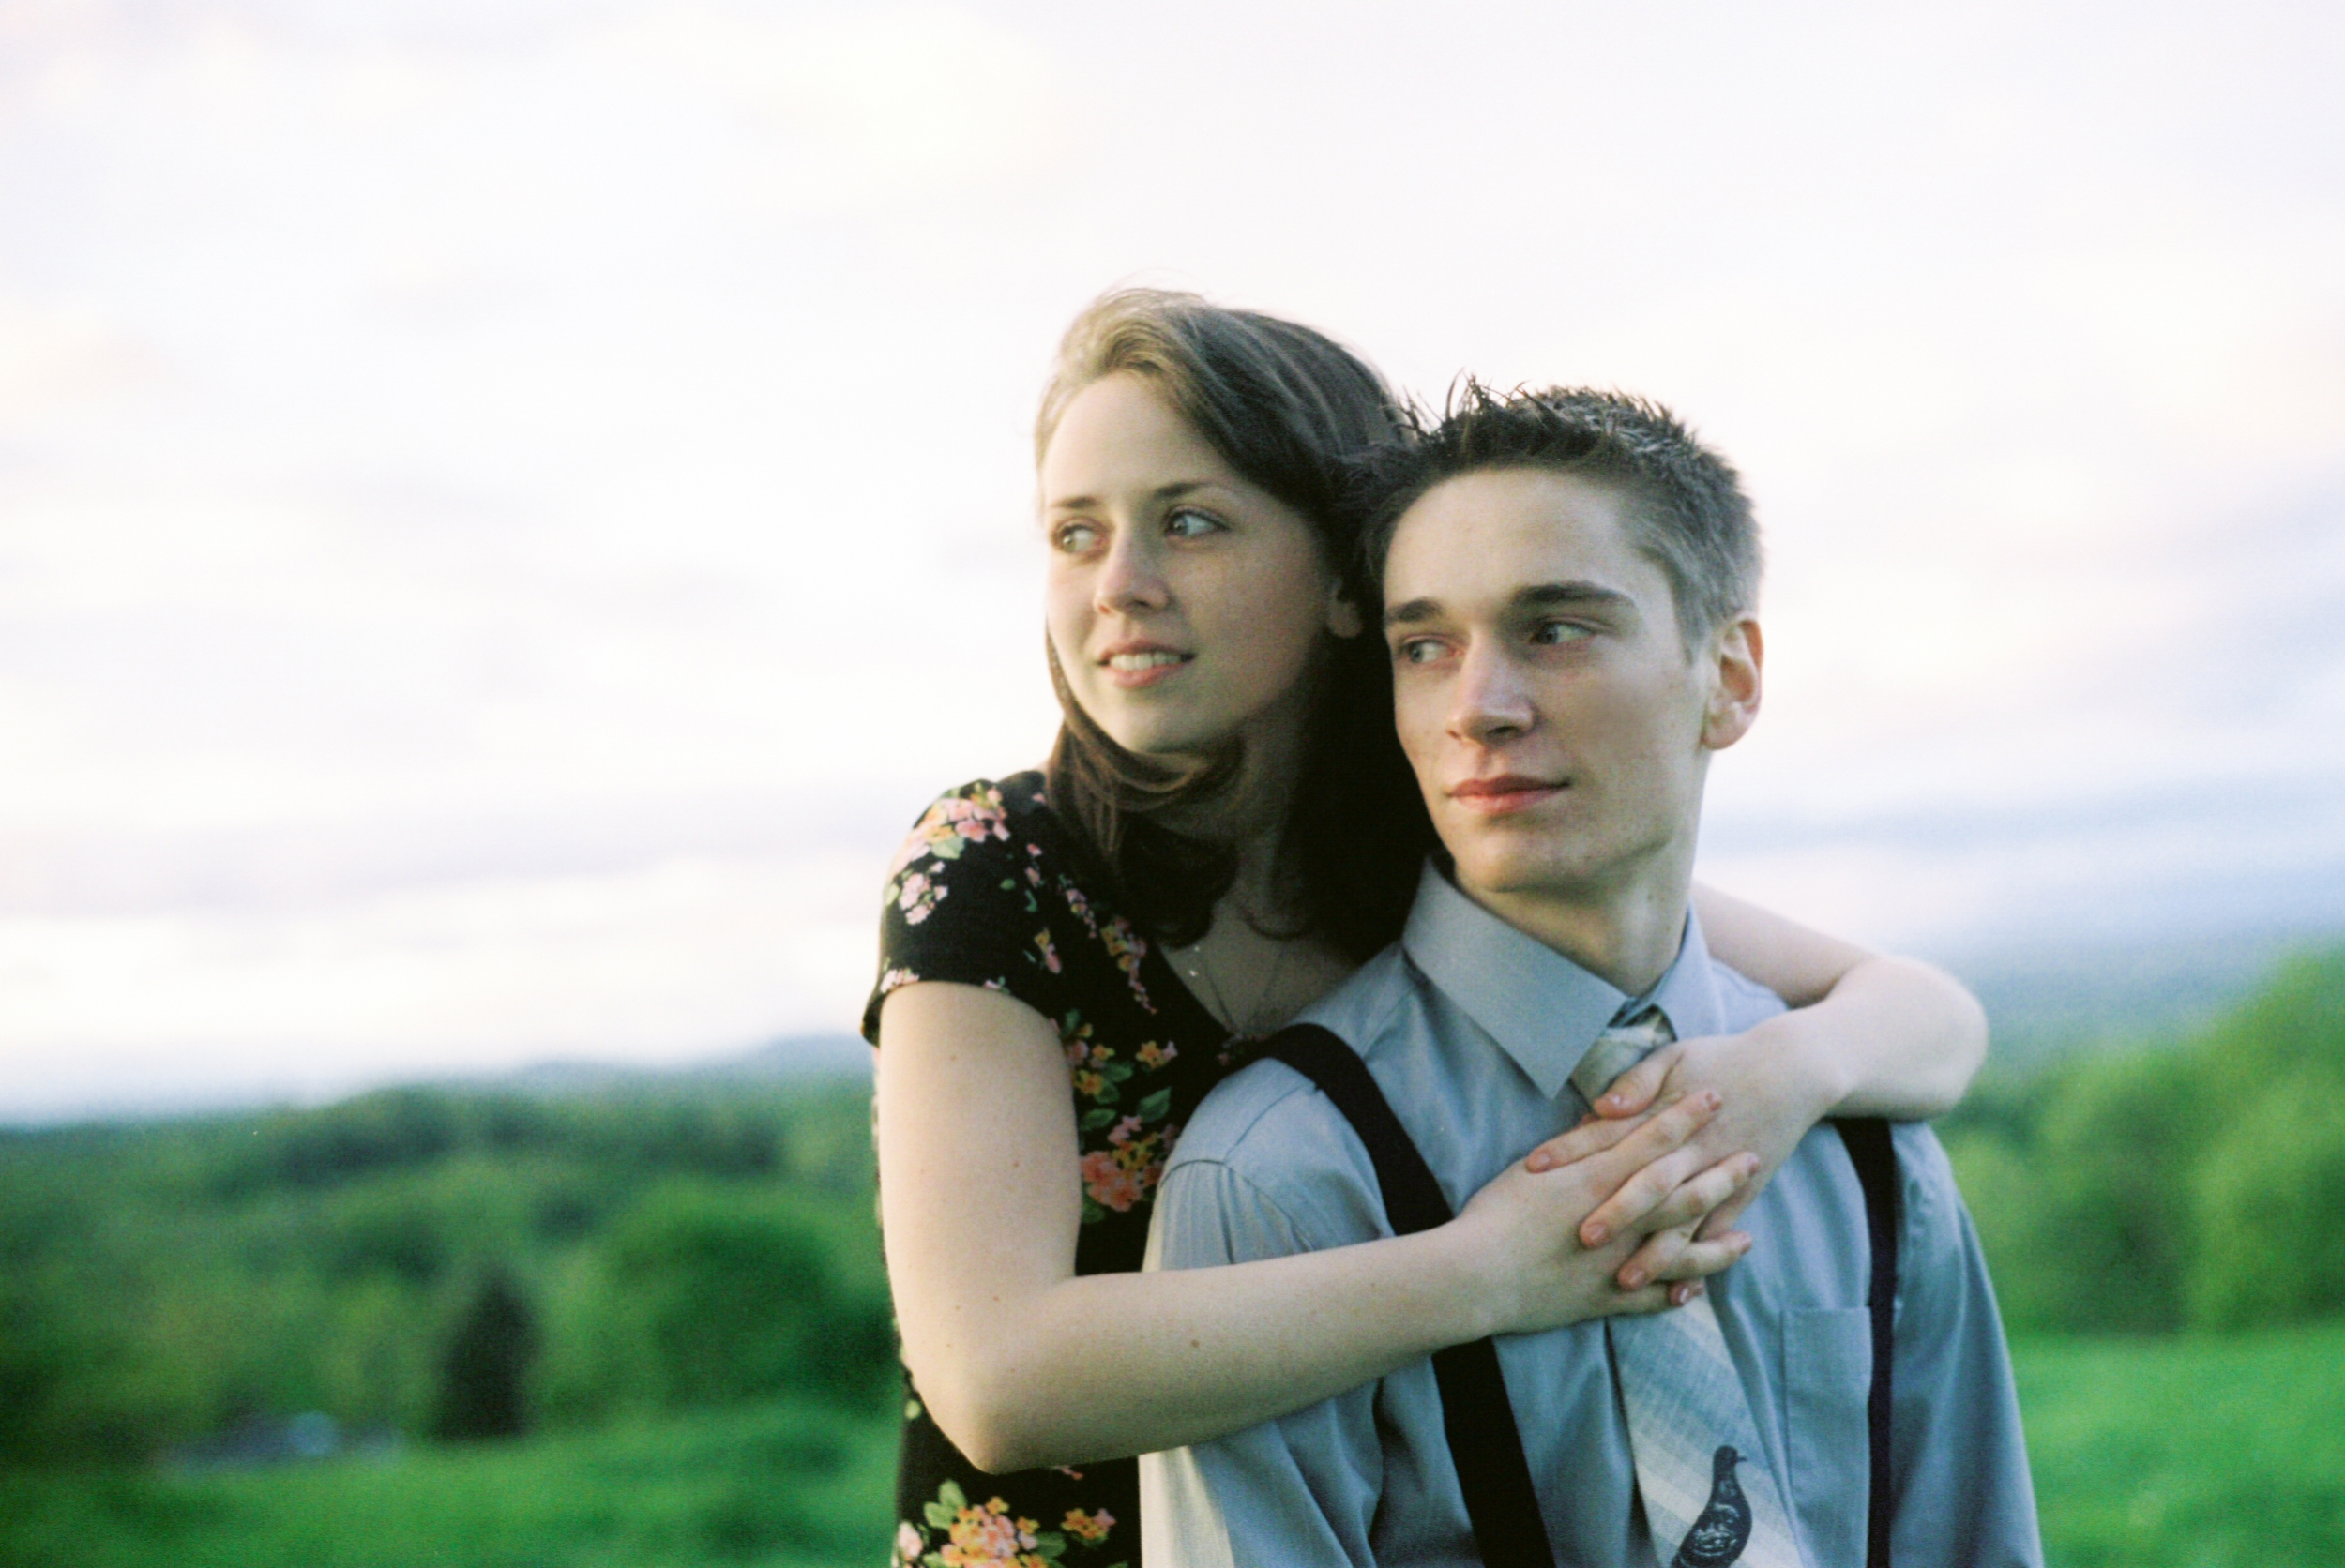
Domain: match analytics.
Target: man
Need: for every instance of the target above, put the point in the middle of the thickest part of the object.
(1569, 581)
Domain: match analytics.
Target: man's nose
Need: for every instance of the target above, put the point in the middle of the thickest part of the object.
(1130, 577)
(1490, 701)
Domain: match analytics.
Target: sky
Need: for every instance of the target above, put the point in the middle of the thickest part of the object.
(508, 509)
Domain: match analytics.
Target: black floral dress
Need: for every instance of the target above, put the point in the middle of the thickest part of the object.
(986, 892)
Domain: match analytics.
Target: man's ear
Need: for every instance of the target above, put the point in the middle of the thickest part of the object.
(1343, 615)
(1734, 704)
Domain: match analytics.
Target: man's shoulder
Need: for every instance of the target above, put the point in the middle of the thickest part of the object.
(1743, 1001)
(1271, 1127)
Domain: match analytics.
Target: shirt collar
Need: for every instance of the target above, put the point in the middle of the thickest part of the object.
(1543, 1010)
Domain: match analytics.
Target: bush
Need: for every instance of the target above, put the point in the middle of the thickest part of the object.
(2270, 1198)
(2195, 1184)
(702, 1296)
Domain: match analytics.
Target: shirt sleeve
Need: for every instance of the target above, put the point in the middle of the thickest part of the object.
(1302, 1489)
(1964, 1495)
(960, 905)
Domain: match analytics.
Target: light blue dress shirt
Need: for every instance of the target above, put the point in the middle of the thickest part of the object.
(1471, 1030)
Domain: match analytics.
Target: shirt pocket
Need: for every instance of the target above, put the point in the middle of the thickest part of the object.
(1827, 1381)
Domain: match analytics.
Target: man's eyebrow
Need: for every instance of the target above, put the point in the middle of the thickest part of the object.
(1173, 491)
(1575, 593)
(1539, 596)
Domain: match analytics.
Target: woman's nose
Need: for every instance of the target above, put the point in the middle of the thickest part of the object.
(1130, 577)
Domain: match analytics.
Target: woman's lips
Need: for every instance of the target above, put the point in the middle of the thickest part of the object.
(1497, 797)
(1134, 666)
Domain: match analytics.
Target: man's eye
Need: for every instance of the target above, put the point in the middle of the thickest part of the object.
(1189, 524)
(1417, 650)
(1553, 632)
(1074, 538)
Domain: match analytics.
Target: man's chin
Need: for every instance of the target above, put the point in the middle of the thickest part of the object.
(1502, 861)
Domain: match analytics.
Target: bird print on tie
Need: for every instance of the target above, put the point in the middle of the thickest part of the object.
(1724, 1525)
(1690, 1421)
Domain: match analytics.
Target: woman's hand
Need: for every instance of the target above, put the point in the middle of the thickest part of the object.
(1530, 1226)
(1771, 1098)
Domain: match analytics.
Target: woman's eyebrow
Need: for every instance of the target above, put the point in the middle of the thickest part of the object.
(1173, 491)
(1415, 612)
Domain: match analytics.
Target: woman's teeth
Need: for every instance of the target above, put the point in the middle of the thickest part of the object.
(1143, 661)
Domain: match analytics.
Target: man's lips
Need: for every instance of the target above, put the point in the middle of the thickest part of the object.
(1139, 664)
(1496, 797)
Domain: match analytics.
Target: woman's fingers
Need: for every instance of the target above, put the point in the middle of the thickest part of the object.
(1639, 1304)
(1588, 1137)
(1637, 1088)
(1675, 1254)
(1700, 1195)
(1656, 1155)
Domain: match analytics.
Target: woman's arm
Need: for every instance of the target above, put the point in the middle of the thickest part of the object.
(1023, 1363)
(1867, 1037)
(1884, 1036)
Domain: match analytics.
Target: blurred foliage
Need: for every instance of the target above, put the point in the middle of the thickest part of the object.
(387, 1259)
(2194, 1183)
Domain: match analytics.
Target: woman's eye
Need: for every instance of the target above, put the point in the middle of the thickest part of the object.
(1074, 538)
(1417, 650)
(1188, 523)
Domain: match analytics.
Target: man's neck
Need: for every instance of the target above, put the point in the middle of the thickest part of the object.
(1626, 935)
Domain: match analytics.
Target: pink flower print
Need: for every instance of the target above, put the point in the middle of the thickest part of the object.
(987, 1537)
(918, 896)
(951, 823)
(1123, 1131)
(1050, 953)
(1153, 1055)
(1109, 1183)
(890, 979)
(1090, 1528)
(908, 1545)
(1078, 1050)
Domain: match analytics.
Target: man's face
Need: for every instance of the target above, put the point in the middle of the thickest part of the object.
(1558, 726)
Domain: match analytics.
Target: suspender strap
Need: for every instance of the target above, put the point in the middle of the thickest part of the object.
(1876, 1161)
(1484, 1443)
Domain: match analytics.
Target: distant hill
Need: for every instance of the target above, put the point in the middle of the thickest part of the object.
(791, 1057)
(2047, 1001)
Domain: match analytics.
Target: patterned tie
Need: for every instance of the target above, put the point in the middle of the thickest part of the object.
(1708, 1496)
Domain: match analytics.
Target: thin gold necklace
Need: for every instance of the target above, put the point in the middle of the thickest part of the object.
(1192, 963)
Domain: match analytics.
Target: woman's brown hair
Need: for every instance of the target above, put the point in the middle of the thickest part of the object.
(1294, 413)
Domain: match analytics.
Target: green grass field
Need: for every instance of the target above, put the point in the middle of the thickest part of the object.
(2189, 1452)
(2160, 1454)
(777, 1486)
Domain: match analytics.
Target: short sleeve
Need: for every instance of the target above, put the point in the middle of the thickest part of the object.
(960, 906)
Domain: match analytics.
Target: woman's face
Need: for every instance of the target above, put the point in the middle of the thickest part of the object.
(1184, 602)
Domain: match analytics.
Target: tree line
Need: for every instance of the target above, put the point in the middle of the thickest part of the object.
(436, 1262)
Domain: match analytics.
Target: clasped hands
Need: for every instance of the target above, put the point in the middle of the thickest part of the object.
(1633, 1209)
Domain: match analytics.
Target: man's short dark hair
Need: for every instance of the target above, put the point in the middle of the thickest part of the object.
(1687, 512)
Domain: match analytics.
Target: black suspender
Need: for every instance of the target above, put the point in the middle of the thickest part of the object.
(1876, 1162)
(1483, 1442)
(1481, 1424)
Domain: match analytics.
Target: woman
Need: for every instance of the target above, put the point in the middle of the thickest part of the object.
(1223, 831)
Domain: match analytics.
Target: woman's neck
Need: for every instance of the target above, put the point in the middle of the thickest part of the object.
(1250, 817)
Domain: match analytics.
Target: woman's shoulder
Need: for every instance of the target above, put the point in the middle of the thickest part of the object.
(979, 892)
(983, 837)
(983, 818)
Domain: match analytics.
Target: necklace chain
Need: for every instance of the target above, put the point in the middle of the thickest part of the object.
(1194, 964)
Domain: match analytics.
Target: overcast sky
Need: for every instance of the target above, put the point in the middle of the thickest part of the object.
(508, 508)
